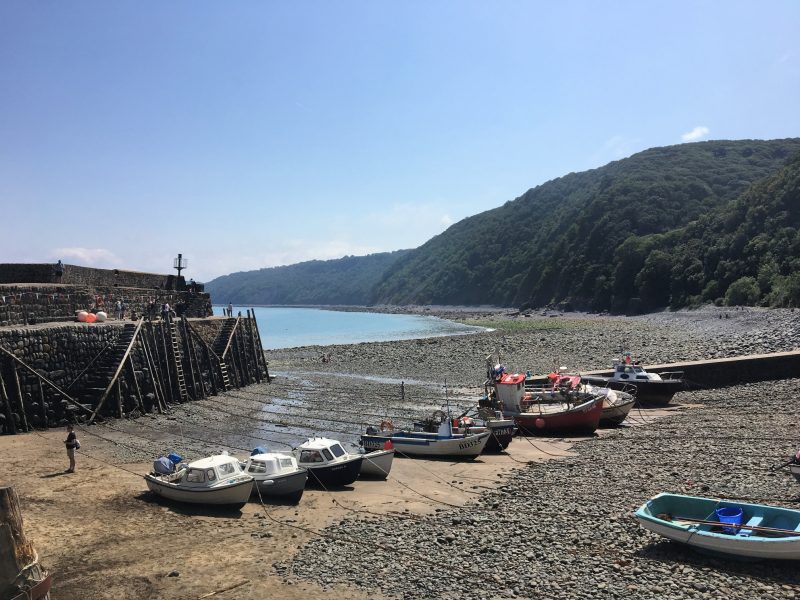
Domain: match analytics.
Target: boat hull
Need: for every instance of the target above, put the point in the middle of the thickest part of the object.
(288, 486)
(670, 515)
(616, 408)
(502, 432)
(582, 419)
(334, 474)
(377, 464)
(428, 444)
(647, 392)
(234, 494)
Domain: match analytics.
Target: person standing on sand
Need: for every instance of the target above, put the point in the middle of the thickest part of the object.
(72, 444)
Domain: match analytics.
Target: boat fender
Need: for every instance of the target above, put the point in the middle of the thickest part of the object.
(387, 425)
(540, 423)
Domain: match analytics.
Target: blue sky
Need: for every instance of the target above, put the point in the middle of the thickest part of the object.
(254, 134)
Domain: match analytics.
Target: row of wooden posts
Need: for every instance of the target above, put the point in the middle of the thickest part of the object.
(181, 367)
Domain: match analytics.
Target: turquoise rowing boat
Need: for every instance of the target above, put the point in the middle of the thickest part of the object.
(753, 531)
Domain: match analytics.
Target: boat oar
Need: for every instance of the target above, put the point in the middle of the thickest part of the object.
(739, 526)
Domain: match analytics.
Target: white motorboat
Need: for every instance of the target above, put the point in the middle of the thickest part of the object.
(217, 480)
(277, 475)
(327, 462)
(650, 388)
(441, 443)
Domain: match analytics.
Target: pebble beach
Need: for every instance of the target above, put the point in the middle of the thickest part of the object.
(551, 519)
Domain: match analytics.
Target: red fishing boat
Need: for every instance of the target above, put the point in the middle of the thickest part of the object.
(547, 411)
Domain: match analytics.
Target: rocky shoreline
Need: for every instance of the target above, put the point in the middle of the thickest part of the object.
(564, 529)
(530, 524)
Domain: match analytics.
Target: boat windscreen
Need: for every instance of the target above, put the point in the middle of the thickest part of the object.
(195, 476)
(337, 450)
(226, 469)
(327, 454)
(257, 466)
(286, 463)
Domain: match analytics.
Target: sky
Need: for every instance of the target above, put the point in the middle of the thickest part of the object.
(254, 134)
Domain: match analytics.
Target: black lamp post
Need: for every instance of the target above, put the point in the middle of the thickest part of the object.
(180, 263)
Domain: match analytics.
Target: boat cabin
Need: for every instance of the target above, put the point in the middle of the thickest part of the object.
(628, 372)
(270, 464)
(320, 450)
(510, 390)
(211, 470)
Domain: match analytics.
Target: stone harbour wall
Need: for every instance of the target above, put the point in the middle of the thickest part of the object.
(77, 275)
(30, 304)
(81, 359)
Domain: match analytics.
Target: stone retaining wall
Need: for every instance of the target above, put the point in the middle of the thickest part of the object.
(61, 353)
(88, 276)
(29, 304)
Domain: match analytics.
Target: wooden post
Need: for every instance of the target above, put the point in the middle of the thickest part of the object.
(252, 345)
(44, 404)
(158, 376)
(16, 552)
(155, 375)
(241, 349)
(165, 355)
(21, 400)
(211, 373)
(119, 398)
(7, 403)
(115, 378)
(261, 347)
(132, 372)
(68, 398)
(193, 355)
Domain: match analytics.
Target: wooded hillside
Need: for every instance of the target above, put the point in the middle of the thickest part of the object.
(671, 226)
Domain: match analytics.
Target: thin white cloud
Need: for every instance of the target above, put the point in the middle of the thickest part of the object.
(94, 257)
(446, 220)
(695, 134)
(614, 148)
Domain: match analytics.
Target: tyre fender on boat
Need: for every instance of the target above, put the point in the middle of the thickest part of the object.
(387, 425)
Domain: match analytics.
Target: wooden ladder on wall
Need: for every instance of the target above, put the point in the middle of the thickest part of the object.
(177, 361)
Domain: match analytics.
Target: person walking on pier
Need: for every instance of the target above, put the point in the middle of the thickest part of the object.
(72, 444)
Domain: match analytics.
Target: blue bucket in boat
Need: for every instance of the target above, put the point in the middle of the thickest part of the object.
(174, 457)
(730, 514)
(258, 450)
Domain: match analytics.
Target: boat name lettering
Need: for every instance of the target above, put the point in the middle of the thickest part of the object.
(469, 444)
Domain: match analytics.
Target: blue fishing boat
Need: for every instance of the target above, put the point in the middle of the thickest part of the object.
(747, 531)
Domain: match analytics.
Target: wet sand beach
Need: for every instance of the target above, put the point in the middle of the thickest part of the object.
(551, 518)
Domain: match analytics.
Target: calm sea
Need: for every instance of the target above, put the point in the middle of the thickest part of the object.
(292, 327)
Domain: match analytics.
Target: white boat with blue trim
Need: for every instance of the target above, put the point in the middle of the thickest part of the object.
(442, 443)
(217, 480)
(747, 531)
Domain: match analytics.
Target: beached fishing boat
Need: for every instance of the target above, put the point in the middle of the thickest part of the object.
(547, 410)
(752, 531)
(501, 430)
(651, 388)
(276, 475)
(377, 464)
(442, 443)
(617, 404)
(328, 463)
(217, 480)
